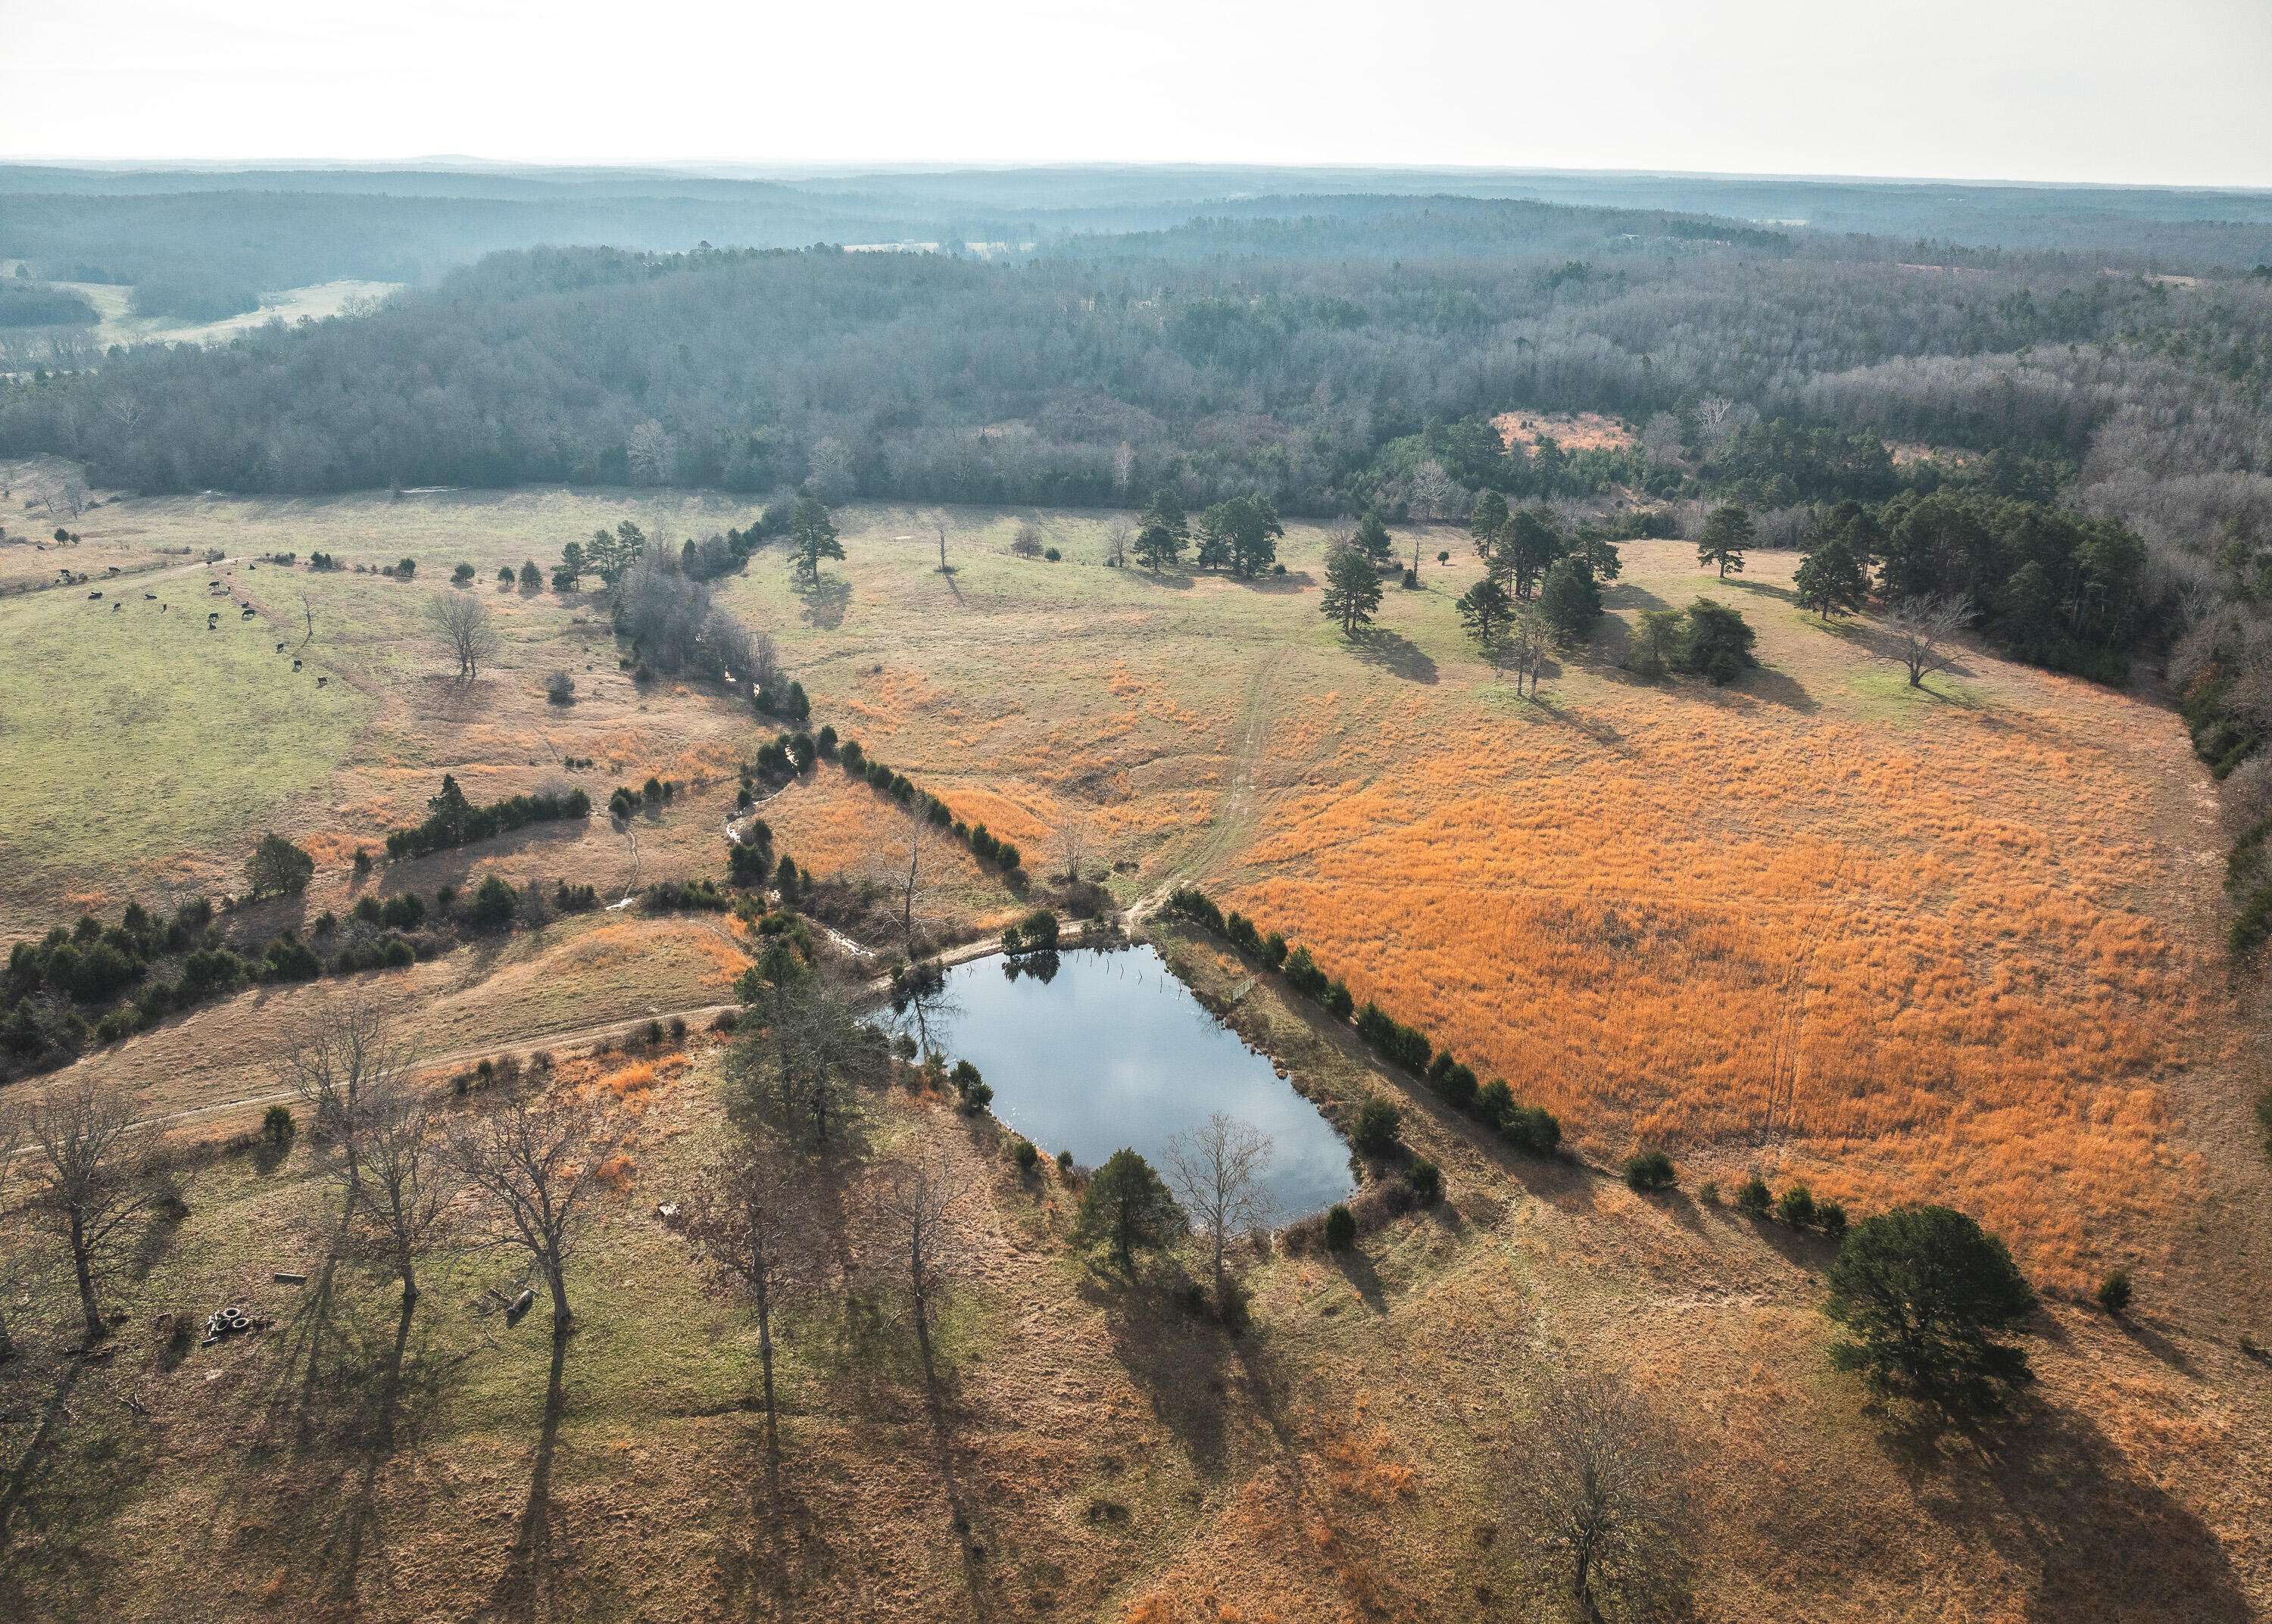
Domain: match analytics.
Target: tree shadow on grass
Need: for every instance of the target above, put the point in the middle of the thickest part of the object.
(1363, 1277)
(2065, 1507)
(825, 600)
(2155, 1344)
(781, 1547)
(1776, 688)
(1761, 684)
(1293, 582)
(383, 1385)
(1591, 727)
(1628, 595)
(1180, 1361)
(529, 1587)
(86, 1457)
(1757, 589)
(1397, 655)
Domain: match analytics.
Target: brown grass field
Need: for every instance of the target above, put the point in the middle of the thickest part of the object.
(1960, 945)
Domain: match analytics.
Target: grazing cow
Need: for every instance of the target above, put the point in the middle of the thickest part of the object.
(321, 681)
(91, 596)
(149, 597)
(295, 665)
(280, 648)
(115, 607)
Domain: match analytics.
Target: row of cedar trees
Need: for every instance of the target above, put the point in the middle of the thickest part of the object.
(1528, 1127)
(983, 843)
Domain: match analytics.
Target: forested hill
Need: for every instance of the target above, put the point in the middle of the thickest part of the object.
(1288, 356)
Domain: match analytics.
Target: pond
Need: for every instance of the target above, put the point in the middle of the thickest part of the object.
(1112, 1051)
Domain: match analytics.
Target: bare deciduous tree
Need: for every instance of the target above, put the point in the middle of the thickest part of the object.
(92, 1187)
(1216, 1170)
(750, 1220)
(1070, 845)
(916, 1210)
(1118, 532)
(652, 453)
(938, 523)
(534, 1159)
(914, 864)
(1595, 1488)
(1433, 491)
(744, 658)
(1526, 645)
(465, 630)
(403, 1197)
(1924, 629)
(337, 1074)
(62, 492)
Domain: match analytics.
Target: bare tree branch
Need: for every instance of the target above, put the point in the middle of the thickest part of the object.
(1216, 1170)
(534, 1159)
(1923, 628)
(92, 1186)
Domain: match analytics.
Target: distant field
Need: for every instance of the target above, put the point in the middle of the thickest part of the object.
(114, 304)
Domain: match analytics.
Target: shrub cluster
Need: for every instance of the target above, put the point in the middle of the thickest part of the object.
(1372, 1208)
(1795, 1207)
(686, 896)
(1036, 933)
(1528, 1127)
(94, 983)
(453, 821)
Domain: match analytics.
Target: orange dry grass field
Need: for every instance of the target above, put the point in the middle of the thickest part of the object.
(1900, 965)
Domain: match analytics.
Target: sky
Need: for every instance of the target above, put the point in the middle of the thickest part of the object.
(2171, 92)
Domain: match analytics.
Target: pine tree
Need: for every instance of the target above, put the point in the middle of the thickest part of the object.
(1127, 1208)
(449, 811)
(1162, 535)
(1727, 532)
(1528, 547)
(1831, 580)
(1486, 610)
(1352, 589)
(811, 538)
(1373, 540)
(1570, 600)
(1486, 520)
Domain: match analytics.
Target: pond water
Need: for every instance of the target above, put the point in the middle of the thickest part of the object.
(1113, 1051)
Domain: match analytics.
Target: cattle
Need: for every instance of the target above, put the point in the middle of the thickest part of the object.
(149, 597)
(93, 596)
(280, 648)
(295, 665)
(321, 681)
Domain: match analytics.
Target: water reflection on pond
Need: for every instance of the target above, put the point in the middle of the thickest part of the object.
(1111, 1049)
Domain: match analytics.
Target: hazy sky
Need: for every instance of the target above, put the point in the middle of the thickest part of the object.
(2177, 90)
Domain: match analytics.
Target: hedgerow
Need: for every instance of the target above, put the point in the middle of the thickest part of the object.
(1530, 1129)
